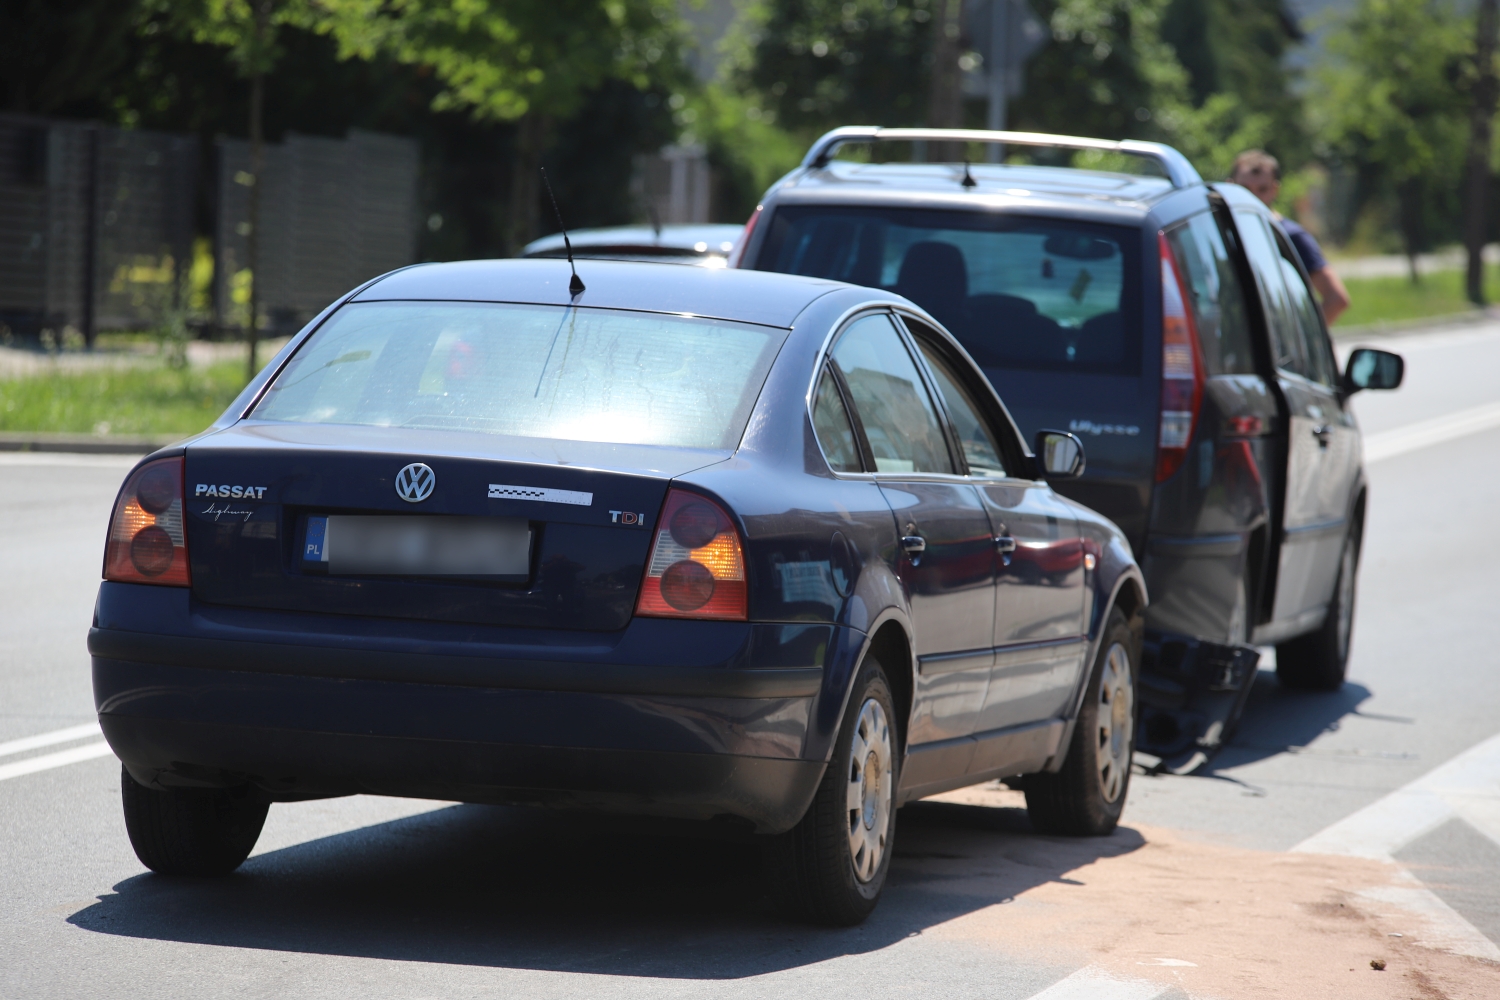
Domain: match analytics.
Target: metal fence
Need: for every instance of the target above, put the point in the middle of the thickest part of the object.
(97, 224)
(334, 212)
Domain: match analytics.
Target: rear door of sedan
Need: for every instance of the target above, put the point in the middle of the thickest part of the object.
(1039, 635)
(946, 561)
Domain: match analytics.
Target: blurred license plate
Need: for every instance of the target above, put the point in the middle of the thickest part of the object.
(414, 545)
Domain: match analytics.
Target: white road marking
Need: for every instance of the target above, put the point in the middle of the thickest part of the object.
(1467, 787)
(69, 458)
(1425, 433)
(47, 762)
(49, 739)
(1089, 983)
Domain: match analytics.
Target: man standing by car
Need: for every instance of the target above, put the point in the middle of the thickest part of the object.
(1258, 170)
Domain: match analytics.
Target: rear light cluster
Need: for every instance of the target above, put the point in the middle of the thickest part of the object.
(146, 543)
(737, 256)
(1181, 368)
(697, 566)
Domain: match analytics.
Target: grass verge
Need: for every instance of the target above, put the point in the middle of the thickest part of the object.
(136, 400)
(1394, 300)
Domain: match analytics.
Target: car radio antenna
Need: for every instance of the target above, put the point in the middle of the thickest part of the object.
(968, 180)
(576, 286)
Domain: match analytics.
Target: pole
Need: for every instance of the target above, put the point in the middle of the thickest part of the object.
(1481, 124)
(995, 62)
(262, 30)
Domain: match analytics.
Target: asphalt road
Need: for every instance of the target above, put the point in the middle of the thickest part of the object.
(399, 898)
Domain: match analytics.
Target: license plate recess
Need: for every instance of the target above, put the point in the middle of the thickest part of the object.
(490, 548)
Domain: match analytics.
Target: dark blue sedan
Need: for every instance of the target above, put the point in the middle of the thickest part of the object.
(712, 544)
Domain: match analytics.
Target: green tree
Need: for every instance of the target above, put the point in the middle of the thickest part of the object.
(56, 52)
(1392, 105)
(1244, 93)
(815, 64)
(525, 61)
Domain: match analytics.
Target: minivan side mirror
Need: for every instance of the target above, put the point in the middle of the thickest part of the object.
(1372, 369)
(1059, 455)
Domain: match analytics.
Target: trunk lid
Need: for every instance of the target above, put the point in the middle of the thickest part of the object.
(1114, 415)
(589, 508)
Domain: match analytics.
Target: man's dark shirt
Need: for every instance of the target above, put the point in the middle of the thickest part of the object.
(1307, 247)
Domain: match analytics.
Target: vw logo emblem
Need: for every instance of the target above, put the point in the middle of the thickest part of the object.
(415, 482)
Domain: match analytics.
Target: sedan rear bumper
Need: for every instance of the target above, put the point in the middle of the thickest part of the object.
(689, 722)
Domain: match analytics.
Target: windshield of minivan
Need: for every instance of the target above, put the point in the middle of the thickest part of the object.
(1017, 291)
(531, 371)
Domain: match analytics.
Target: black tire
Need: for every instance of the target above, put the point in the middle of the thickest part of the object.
(1319, 660)
(192, 831)
(1086, 797)
(813, 867)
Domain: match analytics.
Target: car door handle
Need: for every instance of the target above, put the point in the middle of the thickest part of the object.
(1321, 432)
(1005, 544)
(914, 545)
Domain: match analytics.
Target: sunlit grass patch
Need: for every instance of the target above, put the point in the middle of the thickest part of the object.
(127, 400)
(1394, 300)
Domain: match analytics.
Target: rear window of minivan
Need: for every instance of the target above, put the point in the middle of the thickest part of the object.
(1017, 291)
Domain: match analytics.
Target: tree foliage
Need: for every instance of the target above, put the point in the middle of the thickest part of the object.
(500, 59)
(1393, 105)
(819, 63)
(54, 53)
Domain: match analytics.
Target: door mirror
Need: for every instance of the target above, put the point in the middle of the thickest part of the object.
(1372, 369)
(1059, 455)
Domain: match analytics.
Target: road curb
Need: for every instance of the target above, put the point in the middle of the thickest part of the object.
(87, 444)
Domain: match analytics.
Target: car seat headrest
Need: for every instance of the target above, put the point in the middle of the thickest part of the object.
(935, 276)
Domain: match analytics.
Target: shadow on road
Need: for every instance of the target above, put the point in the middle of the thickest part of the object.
(1278, 720)
(516, 888)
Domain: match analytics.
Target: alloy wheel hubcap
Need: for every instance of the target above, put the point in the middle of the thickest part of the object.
(870, 790)
(1116, 719)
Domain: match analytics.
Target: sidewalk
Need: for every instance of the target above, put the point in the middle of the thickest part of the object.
(18, 362)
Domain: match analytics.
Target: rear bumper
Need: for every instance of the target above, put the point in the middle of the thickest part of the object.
(690, 719)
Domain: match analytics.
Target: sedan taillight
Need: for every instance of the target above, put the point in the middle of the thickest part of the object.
(146, 542)
(697, 564)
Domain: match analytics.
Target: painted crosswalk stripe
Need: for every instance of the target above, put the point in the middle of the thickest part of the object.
(73, 755)
(1089, 983)
(53, 738)
(1467, 787)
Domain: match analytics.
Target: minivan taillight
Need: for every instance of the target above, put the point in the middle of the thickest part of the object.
(1181, 368)
(146, 543)
(697, 565)
(737, 256)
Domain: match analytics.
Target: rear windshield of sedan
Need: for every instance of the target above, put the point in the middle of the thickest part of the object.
(1017, 291)
(530, 371)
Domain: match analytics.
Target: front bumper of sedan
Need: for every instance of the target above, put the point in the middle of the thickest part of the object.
(691, 719)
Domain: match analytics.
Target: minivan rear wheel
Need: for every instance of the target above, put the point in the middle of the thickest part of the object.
(192, 831)
(831, 867)
(1319, 660)
(1086, 797)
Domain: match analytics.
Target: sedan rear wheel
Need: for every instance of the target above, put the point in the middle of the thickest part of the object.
(192, 831)
(831, 867)
(1086, 797)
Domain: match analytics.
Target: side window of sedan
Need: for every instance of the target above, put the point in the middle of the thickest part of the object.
(899, 419)
(975, 436)
(835, 432)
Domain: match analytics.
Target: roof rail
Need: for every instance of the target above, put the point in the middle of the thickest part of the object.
(1176, 166)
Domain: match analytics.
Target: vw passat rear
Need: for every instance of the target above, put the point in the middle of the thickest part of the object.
(716, 545)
